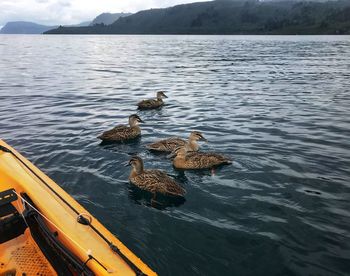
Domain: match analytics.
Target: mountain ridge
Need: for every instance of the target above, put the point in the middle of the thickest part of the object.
(231, 17)
(107, 18)
(28, 27)
(24, 27)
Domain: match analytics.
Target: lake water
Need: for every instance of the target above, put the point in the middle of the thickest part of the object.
(279, 106)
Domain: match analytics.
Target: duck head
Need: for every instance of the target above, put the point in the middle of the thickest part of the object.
(161, 95)
(197, 136)
(136, 163)
(134, 120)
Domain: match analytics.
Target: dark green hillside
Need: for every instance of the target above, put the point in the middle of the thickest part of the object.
(231, 17)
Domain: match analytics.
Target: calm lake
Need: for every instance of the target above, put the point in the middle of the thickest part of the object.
(279, 106)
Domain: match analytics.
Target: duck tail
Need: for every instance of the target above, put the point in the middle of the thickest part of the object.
(177, 190)
(181, 192)
(227, 160)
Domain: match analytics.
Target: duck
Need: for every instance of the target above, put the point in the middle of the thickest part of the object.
(153, 181)
(170, 144)
(153, 103)
(191, 160)
(122, 133)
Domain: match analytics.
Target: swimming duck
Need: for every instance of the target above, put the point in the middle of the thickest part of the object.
(122, 132)
(152, 103)
(154, 181)
(170, 144)
(190, 160)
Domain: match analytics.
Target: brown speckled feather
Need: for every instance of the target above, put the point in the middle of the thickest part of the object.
(149, 104)
(201, 160)
(167, 145)
(156, 181)
(121, 133)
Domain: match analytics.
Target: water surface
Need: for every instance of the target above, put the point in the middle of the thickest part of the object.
(278, 106)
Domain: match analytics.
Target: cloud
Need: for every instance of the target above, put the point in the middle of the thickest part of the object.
(60, 12)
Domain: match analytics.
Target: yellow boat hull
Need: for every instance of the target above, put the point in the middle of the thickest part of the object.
(81, 240)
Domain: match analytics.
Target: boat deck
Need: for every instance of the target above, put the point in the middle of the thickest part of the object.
(22, 256)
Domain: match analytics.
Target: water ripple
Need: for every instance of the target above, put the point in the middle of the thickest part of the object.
(278, 106)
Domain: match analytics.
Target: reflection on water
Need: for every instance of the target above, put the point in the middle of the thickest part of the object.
(159, 202)
(277, 106)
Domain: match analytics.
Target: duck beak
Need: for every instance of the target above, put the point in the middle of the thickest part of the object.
(141, 121)
(165, 96)
(204, 140)
(126, 164)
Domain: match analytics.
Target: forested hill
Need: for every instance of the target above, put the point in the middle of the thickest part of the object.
(231, 17)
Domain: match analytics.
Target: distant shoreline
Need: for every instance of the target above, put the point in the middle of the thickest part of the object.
(174, 34)
(135, 34)
(246, 17)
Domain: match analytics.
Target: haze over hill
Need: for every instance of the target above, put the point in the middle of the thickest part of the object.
(69, 12)
(24, 27)
(108, 18)
(231, 17)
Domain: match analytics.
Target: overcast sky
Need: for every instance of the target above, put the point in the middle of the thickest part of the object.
(55, 12)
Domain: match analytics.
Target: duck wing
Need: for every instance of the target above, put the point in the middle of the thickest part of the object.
(156, 181)
(120, 127)
(167, 145)
(206, 159)
(120, 133)
(168, 185)
(151, 103)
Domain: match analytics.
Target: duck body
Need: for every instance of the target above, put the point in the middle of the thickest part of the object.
(122, 133)
(167, 145)
(154, 181)
(152, 103)
(170, 144)
(199, 160)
